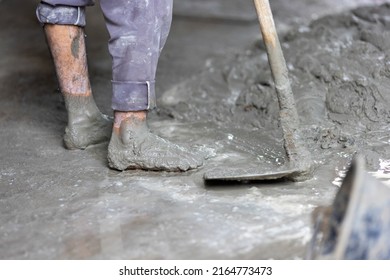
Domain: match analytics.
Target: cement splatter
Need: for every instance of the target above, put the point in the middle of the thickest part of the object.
(340, 69)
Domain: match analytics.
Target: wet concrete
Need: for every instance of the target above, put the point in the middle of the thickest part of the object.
(60, 204)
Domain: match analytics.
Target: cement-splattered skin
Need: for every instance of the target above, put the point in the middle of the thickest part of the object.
(76, 45)
(133, 146)
(67, 46)
(86, 124)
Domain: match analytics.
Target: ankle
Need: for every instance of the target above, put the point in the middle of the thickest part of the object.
(80, 106)
(135, 120)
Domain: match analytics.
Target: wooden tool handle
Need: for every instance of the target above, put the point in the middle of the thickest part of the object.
(288, 116)
(275, 56)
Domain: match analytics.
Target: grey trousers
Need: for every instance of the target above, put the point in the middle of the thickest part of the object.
(138, 31)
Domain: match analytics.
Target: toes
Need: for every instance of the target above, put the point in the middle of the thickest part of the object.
(177, 165)
(190, 161)
(196, 162)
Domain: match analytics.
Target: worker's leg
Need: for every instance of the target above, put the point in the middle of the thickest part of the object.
(138, 30)
(63, 27)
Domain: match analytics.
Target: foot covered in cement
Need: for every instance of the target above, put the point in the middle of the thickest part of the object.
(135, 147)
(86, 124)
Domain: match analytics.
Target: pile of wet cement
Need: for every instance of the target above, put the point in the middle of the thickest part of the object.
(340, 72)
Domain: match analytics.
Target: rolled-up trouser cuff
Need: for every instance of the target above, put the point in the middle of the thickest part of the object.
(75, 3)
(63, 15)
(133, 96)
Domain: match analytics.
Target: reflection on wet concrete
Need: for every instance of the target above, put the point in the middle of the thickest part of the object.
(59, 204)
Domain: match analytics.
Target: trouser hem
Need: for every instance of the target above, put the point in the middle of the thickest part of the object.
(61, 15)
(133, 96)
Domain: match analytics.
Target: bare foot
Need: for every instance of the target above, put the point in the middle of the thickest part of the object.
(86, 124)
(133, 146)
